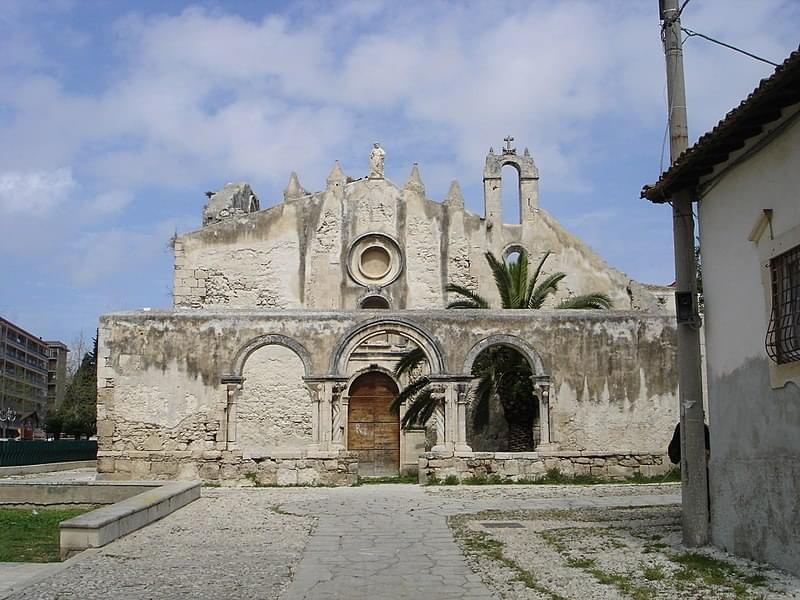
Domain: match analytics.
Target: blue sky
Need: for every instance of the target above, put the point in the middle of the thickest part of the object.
(116, 117)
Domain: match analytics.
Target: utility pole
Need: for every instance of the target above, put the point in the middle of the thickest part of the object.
(694, 472)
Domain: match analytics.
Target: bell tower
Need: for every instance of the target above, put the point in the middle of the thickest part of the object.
(493, 183)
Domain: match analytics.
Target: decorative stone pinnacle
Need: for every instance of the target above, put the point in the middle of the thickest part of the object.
(294, 190)
(454, 196)
(336, 176)
(414, 183)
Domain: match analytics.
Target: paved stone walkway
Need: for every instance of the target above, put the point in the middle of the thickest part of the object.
(382, 542)
(373, 541)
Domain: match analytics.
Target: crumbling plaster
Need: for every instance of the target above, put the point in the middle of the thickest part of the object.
(293, 255)
(612, 374)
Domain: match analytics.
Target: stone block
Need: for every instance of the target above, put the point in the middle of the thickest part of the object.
(308, 477)
(620, 472)
(105, 428)
(286, 476)
(153, 443)
(187, 470)
(105, 464)
(267, 477)
(212, 455)
(165, 467)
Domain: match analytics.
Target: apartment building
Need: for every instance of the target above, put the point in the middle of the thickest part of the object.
(27, 383)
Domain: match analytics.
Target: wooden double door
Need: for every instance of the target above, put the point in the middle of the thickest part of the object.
(372, 430)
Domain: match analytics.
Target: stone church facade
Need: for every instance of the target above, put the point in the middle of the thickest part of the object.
(276, 364)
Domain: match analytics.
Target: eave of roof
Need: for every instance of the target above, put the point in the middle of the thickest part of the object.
(762, 106)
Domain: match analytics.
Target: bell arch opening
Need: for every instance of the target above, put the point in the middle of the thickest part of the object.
(511, 195)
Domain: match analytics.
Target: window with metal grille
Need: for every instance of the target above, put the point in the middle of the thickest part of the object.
(783, 334)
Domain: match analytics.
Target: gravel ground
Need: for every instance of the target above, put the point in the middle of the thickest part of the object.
(393, 541)
(606, 554)
(231, 543)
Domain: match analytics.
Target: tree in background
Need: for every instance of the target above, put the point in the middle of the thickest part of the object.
(78, 412)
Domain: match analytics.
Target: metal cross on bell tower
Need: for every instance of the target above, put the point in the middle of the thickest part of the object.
(508, 149)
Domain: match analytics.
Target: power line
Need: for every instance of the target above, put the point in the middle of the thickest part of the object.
(691, 33)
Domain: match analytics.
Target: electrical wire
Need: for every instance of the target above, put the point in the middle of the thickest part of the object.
(691, 33)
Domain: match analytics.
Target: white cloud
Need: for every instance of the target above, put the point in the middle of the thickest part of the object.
(34, 193)
(109, 203)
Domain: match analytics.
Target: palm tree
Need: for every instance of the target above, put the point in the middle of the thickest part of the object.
(502, 372)
(518, 292)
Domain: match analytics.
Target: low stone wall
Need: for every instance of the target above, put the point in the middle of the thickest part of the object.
(530, 466)
(230, 467)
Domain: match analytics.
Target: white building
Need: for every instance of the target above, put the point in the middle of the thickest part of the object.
(745, 177)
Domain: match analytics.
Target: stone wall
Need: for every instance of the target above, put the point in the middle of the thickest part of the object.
(531, 466)
(231, 467)
(165, 391)
(295, 254)
(274, 410)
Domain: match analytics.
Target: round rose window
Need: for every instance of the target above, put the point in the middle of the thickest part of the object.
(374, 260)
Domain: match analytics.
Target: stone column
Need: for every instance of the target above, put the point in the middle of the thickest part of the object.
(542, 386)
(233, 390)
(462, 397)
(439, 394)
(340, 428)
(338, 412)
(316, 388)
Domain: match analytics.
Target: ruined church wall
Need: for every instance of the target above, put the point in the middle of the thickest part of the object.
(296, 254)
(160, 390)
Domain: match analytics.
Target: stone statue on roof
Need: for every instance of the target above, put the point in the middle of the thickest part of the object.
(376, 158)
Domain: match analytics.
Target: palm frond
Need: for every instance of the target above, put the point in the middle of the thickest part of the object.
(471, 296)
(518, 273)
(410, 361)
(596, 300)
(409, 392)
(464, 304)
(534, 279)
(502, 279)
(420, 410)
(544, 289)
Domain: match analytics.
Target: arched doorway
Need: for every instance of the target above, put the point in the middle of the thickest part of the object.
(372, 431)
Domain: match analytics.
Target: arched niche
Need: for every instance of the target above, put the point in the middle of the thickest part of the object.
(493, 428)
(270, 339)
(274, 408)
(533, 358)
(353, 339)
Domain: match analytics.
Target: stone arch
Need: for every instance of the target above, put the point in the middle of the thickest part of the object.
(266, 340)
(512, 248)
(493, 184)
(274, 408)
(520, 345)
(414, 332)
(371, 369)
(497, 431)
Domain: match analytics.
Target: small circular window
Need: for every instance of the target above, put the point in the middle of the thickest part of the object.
(374, 260)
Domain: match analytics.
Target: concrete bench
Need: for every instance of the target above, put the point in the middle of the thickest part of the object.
(106, 524)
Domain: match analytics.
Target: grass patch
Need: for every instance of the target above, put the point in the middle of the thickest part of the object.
(396, 479)
(713, 571)
(29, 537)
(556, 477)
(653, 572)
(478, 543)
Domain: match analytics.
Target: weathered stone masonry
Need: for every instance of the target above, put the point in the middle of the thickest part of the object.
(170, 381)
(259, 373)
